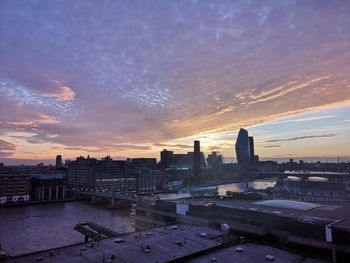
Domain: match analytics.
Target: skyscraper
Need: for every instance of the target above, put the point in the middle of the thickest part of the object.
(166, 158)
(243, 148)
(196, 160)
(59, 162)
(251, 149)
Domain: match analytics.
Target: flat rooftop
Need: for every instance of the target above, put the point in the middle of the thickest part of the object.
(319, 212)
(251, 253)
(163, 245)
(157, 245)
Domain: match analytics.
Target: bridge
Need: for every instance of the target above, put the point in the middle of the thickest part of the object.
(331, 176)
(94, 231)
(118, 200)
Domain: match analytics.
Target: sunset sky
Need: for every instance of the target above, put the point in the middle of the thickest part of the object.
(130, 78)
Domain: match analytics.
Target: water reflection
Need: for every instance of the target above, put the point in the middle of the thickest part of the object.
(38, 227)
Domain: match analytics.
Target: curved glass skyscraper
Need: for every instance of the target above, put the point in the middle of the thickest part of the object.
(243, 148)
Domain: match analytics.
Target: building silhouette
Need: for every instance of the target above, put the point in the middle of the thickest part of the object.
(243, 148)
(166, 158)
(251, 149)
(196, 160)
(59, 162)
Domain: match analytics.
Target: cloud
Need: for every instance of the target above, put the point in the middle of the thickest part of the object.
(306, 119)
(6, 148)
(62, 94)
(272, 146)
(176, 146)
(303, 138)
(127, 75)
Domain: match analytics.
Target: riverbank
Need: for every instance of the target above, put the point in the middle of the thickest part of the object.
(33, 202)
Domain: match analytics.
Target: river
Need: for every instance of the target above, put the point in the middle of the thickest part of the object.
(25, 229)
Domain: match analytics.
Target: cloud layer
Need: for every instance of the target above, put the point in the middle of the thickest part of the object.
(121, 76)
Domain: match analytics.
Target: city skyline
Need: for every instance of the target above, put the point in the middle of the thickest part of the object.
(130, 79)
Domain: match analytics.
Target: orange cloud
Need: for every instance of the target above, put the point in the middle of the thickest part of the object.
(62, 93)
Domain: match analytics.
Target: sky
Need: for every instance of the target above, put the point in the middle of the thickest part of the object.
(130, 78)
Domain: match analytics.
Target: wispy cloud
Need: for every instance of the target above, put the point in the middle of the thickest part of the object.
(168, 73)
(306, 119)
(272, 146)
(6, 148)
(303, 138)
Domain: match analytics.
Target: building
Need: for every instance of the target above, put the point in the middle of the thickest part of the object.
(48, 186)
(251, 149)
(172, 243)
(111, 174)
(14, 187)
(166, 158)
(215, 162)
(82, 173)
(243, 148)
(146, 181)
(321, 229)
(180, 159)
(203, 160)
(196, 160)
(314, 188)
(105, 174)
(59, 162)
(143, 163)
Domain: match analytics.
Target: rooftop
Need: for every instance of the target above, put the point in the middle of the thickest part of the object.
(291, 204)
(163, 245)
(252, 253)
(320, 212)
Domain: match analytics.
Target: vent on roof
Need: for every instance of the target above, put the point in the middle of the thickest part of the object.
(239, 249)
(179, 243)
(269, 257)
(119, 240)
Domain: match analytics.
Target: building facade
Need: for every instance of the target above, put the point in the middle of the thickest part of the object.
(14, 187)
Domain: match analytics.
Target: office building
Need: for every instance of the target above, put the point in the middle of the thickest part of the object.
(48, 186)
(82, 172)
(146, 181)
(59, 162)
(143, 163)
(196, 160)
(14, 187)
(90, 173)
(166, 158)
(215, 162)
(243, 148)
(251, 149)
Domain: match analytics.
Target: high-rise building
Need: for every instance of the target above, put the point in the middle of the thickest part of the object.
(243, 148)
(82, 172)
(90, 173)
(203, 160)
(251, 149)
(196, 160)
(166, 158)
(59, 162)
(215, 162)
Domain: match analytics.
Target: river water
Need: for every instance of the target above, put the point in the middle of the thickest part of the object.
(25, 229)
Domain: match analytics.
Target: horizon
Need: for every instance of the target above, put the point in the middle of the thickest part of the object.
(131, 79)
(227, 160)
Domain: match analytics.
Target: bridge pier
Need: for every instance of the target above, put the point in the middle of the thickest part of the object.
(113, 202)
(93, 198)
